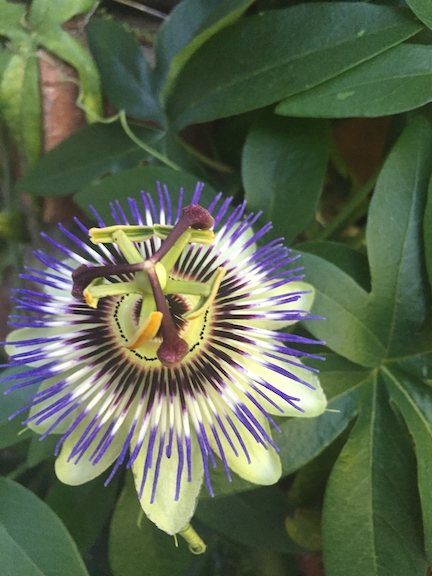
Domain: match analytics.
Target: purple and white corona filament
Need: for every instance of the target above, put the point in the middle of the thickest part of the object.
(156, 345)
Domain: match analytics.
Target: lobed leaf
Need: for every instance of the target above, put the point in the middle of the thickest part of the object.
(371, 522)
(283, 167)
(11, 21)
(188, 27)
(414, 400)
(20, 100)
(300, 47)
(123, 69)
(255, 518)
(57, 11)
(63, 45)
(399, 298)
(391, 83)
(33, 541)
(422, 9)
(91, 153)
(343, 303)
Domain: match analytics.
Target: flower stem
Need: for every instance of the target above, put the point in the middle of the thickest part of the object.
(196, 544)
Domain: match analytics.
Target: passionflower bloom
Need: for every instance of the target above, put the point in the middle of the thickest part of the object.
(155, 343)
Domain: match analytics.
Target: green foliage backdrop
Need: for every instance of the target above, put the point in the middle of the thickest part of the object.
(245, 96)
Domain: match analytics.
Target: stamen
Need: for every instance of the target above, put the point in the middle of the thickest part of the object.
(146, 331)
(133, 233)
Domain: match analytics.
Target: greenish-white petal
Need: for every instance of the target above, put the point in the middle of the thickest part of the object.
(311, 397)
(263, 465)
(43, 426)
(168, 514)
(304, 302)
(23, 334)
(75, 472)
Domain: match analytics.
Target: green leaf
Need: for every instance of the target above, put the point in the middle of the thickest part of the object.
(371, 521)
(422, 9)
(20, 101)
(427, 232)
(367, 328)
(129, 183)
(40, 450)
(123, 69)
(299, 47)
(57, 11)
(33, 541)
(11, 22)
(188, 27)
(283, 168)
(91, 153)
(177, 31)
(63, 45)
(301, 439)
(352, 262)
(343, 303)
(222, 486)
(84, 509)
(254, 518)
(414, 399)
(12, 431)
(393, 82)
(137, 547)
(399, 299)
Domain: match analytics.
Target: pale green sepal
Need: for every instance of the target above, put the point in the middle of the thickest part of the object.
(312, 400)
(169, 515)
(62, 426)
(22, 334)
(76, 473)
(304, 303)
(264, 467)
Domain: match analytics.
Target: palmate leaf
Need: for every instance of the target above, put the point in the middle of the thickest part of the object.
(287, 158)
(46, 18)
(390, 83)
(33, 541)
(300, 47)
(186, 28)
(371, 521)
(124, 70)
(371, 505)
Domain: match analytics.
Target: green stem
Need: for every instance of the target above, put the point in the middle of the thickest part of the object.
(361, 194)
(143, 145)
(123, 121)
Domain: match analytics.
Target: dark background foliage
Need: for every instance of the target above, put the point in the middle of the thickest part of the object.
(318, 114)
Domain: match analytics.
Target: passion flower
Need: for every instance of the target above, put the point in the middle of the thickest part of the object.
(156, 344)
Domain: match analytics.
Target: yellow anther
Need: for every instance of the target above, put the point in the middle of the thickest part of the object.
(90, 301)
(205, 303)
(146, 331)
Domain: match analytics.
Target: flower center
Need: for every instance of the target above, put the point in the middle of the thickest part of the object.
(151, 279)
